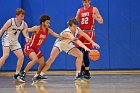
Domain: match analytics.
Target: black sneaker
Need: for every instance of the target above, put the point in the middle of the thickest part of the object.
(19, 78)
(79, 77)
(87, 74)
(16, 76)
(23, 75)
(38, 78)
(22, 79)
(82, 70)
(44, 77)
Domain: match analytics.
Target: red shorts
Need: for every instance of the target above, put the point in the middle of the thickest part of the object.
(85, 41)
(28, 50)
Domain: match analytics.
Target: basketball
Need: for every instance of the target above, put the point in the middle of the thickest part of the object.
(94, 55)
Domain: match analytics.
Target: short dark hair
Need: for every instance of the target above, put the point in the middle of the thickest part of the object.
(72, 21)
(20, 11)
(43, 18)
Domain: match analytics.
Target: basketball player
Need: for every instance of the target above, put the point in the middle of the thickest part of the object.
(12, 29)
(31, 48)
(68, 47)
(86, 16)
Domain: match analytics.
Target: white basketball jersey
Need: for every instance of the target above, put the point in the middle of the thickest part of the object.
(66, 41)
(14, 30)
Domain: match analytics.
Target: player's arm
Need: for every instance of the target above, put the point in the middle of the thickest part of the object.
(77, 15)
(34, 29)
(80, 32)
(97, 15)
(25, 33)
(75, 40)
(54, 34)
(5, 26)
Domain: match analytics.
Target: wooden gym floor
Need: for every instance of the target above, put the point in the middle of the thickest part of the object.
(63, 82)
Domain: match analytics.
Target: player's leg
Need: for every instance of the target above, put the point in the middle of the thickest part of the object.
(54, 53)
(41, 65)
(34, 59)
(16, 48)
(20, 56)
(86, 61)
(86, 64)
(6, 51)
(83, 65)
(79, 57)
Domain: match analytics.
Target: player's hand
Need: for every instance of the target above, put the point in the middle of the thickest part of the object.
(87, 49)
(62, 37)
(27, 39)
(95, 45)
(0, 34)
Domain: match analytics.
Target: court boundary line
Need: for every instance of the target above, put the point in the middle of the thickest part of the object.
(73, 72)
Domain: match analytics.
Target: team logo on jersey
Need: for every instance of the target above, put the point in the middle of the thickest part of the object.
(16, 29)
(85, 14)
(42, 36)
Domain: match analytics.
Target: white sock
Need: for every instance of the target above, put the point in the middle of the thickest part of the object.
(42, 73)
(77, 72)
(17, 72)
(36, 75)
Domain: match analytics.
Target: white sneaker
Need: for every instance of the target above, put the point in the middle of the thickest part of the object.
(21, 79)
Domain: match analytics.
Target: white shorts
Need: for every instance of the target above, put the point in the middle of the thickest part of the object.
(64, 47)
(12, 44)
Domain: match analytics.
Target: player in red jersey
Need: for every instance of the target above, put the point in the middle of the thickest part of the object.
(31, 48)
(86, 16)
(68, 47)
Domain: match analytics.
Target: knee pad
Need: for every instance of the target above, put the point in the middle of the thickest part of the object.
(86, 58)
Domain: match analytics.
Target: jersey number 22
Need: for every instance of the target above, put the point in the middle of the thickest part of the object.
(84, 20)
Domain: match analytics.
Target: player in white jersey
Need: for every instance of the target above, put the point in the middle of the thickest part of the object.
(67, 46)
(12, 29)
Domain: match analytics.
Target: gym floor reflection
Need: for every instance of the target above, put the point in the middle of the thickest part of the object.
(66, 84)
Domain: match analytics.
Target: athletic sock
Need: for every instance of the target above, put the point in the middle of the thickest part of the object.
(42, 73)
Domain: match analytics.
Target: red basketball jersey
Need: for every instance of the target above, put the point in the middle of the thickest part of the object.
(86, 18)
(38, 38)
